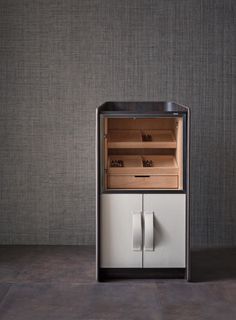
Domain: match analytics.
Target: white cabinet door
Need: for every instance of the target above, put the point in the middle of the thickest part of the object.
(121, 231)
(164, 246)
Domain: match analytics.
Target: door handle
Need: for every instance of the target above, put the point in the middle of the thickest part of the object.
(148, 231)
(137, 231)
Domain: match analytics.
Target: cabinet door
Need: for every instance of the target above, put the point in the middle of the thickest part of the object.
(121, 231)
(164, 230)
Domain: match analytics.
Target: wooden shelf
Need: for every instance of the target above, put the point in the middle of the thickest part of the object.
(164, 139)
(133, 165)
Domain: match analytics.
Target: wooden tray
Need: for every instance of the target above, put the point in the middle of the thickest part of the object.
(133, 139)
(142, 182)
(133, 165)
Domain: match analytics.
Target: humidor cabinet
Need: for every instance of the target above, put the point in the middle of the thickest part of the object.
(142, 190)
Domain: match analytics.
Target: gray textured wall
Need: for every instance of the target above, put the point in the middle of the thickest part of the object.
(61, 59)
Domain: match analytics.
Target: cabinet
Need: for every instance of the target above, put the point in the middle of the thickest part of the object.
(143, 231)
(142, 190)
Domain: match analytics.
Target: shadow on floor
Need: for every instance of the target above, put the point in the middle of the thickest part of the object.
(213, 264)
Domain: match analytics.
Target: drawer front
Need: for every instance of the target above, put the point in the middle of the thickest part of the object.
(144, 182)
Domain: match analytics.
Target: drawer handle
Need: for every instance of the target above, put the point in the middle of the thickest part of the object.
(137, 231)
(142, 176)
(148, 231)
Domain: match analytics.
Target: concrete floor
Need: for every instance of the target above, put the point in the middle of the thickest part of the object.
(58, 282)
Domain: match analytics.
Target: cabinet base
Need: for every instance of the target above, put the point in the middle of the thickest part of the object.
(105, 274)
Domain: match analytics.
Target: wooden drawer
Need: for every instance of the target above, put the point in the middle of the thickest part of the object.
(142, 182)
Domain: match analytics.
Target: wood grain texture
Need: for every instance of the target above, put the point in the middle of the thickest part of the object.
(142, 182)
(179, 150)
(163, 139)
(134, 165)
(144, 124)
(61, 59)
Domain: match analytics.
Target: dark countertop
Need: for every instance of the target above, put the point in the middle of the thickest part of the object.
(142, 107)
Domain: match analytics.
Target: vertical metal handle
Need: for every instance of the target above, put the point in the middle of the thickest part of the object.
(137, 231)
(148, 231)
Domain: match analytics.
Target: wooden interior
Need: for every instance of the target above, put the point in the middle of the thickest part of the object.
(143, 153)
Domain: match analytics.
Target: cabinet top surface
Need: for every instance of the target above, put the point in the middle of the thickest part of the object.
(141, 108)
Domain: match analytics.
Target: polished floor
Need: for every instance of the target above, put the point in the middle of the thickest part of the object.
(58, 282)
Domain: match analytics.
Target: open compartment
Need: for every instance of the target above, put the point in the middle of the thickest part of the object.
(143, 153)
